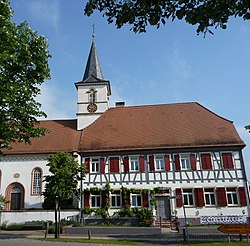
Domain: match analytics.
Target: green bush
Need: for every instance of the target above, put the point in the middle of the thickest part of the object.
(14, 227)
(52, 229)
(144, 215)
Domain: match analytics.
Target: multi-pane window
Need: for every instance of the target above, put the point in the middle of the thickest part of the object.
(95, 200)
(209, 197)
(136, 200)
(188, 197)
(36, 181)
(159, 163)
(232, 198)
(134, 163)
(115, 198)
(95, 165)
(92, 96)
(185, 162)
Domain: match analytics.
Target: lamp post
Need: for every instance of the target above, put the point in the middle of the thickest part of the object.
(81, 195)
(185, 215)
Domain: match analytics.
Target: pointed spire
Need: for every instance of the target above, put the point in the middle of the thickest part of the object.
(93, 68)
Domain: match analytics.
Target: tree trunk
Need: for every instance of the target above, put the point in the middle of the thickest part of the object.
(56, 220)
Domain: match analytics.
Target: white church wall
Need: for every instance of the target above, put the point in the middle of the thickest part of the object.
(18, 169)
(24, 216)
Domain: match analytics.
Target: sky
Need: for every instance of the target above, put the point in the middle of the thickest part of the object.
(168, 65)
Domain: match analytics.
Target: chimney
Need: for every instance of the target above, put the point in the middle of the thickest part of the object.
(119, 104)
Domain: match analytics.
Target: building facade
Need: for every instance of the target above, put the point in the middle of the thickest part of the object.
(177, 159)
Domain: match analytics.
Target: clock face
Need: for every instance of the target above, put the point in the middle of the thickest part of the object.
(92, 107)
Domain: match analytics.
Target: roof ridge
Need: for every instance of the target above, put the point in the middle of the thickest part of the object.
(154, 105)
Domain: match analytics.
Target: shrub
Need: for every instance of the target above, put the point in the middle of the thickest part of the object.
(14, 227)
(52, 229)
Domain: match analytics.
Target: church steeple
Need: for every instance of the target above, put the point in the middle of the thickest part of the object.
(93, 69)
(92, 92)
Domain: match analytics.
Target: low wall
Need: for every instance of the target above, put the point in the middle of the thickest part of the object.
(112, 221)
(113, 230)
(10, 217)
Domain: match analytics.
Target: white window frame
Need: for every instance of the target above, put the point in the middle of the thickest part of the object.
(188, 197)
(159, 163)
(185, 162)
(95, 201)
(117, 199)
(137, 198)
(92, 96)
(232, 196)
(209, 195)
(36, 181)
(95, 165)
(134, 164)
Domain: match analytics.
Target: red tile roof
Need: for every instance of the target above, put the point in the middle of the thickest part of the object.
(62, 136)
(159, 126)
(166, 126)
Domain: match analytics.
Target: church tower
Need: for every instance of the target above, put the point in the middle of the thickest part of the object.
(92, 92)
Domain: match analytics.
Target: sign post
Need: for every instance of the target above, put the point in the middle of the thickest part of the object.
(235, 229)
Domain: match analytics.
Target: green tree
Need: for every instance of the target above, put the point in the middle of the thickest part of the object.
(63, 181)
(23, 68)
(247, 128)
(3, 201)
(140, 13)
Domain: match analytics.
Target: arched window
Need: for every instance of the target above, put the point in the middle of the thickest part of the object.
(36, 181)
(92, 96)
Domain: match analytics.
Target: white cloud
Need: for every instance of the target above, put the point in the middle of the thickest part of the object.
(179, 66)
(55, 104)
(45, 11)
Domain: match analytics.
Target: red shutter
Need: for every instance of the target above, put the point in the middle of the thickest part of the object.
(177, 162)
(199, 197)
(193, 161)
(151, 163)
(243, 198)
(206, 161)
(102, 165)
(126, 164)
(167, 162)
(178, 193)
(114, 164)
(87, 163)
(145, 199)
(227, 160)
(86, 199)
(221, 196)
(142, 165)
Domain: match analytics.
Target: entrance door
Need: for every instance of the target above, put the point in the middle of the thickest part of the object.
(15, 202)
(163, 207)
(15, 194)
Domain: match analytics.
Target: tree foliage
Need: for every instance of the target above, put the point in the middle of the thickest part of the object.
(3, 201)
(140, 13)
(247, 127)
(23, 68)
(63, 181)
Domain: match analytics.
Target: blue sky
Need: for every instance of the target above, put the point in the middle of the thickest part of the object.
(167, 65)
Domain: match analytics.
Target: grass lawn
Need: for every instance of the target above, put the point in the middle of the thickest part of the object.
(134, 242)
(100, 241)
(217, 243)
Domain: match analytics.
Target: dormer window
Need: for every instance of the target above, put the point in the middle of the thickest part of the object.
(92, 96)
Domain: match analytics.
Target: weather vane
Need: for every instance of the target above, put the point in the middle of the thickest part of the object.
(93, 33)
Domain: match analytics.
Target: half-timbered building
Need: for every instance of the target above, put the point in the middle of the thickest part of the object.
(177, 159)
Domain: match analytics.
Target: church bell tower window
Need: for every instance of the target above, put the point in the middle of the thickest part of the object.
(92, 96)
